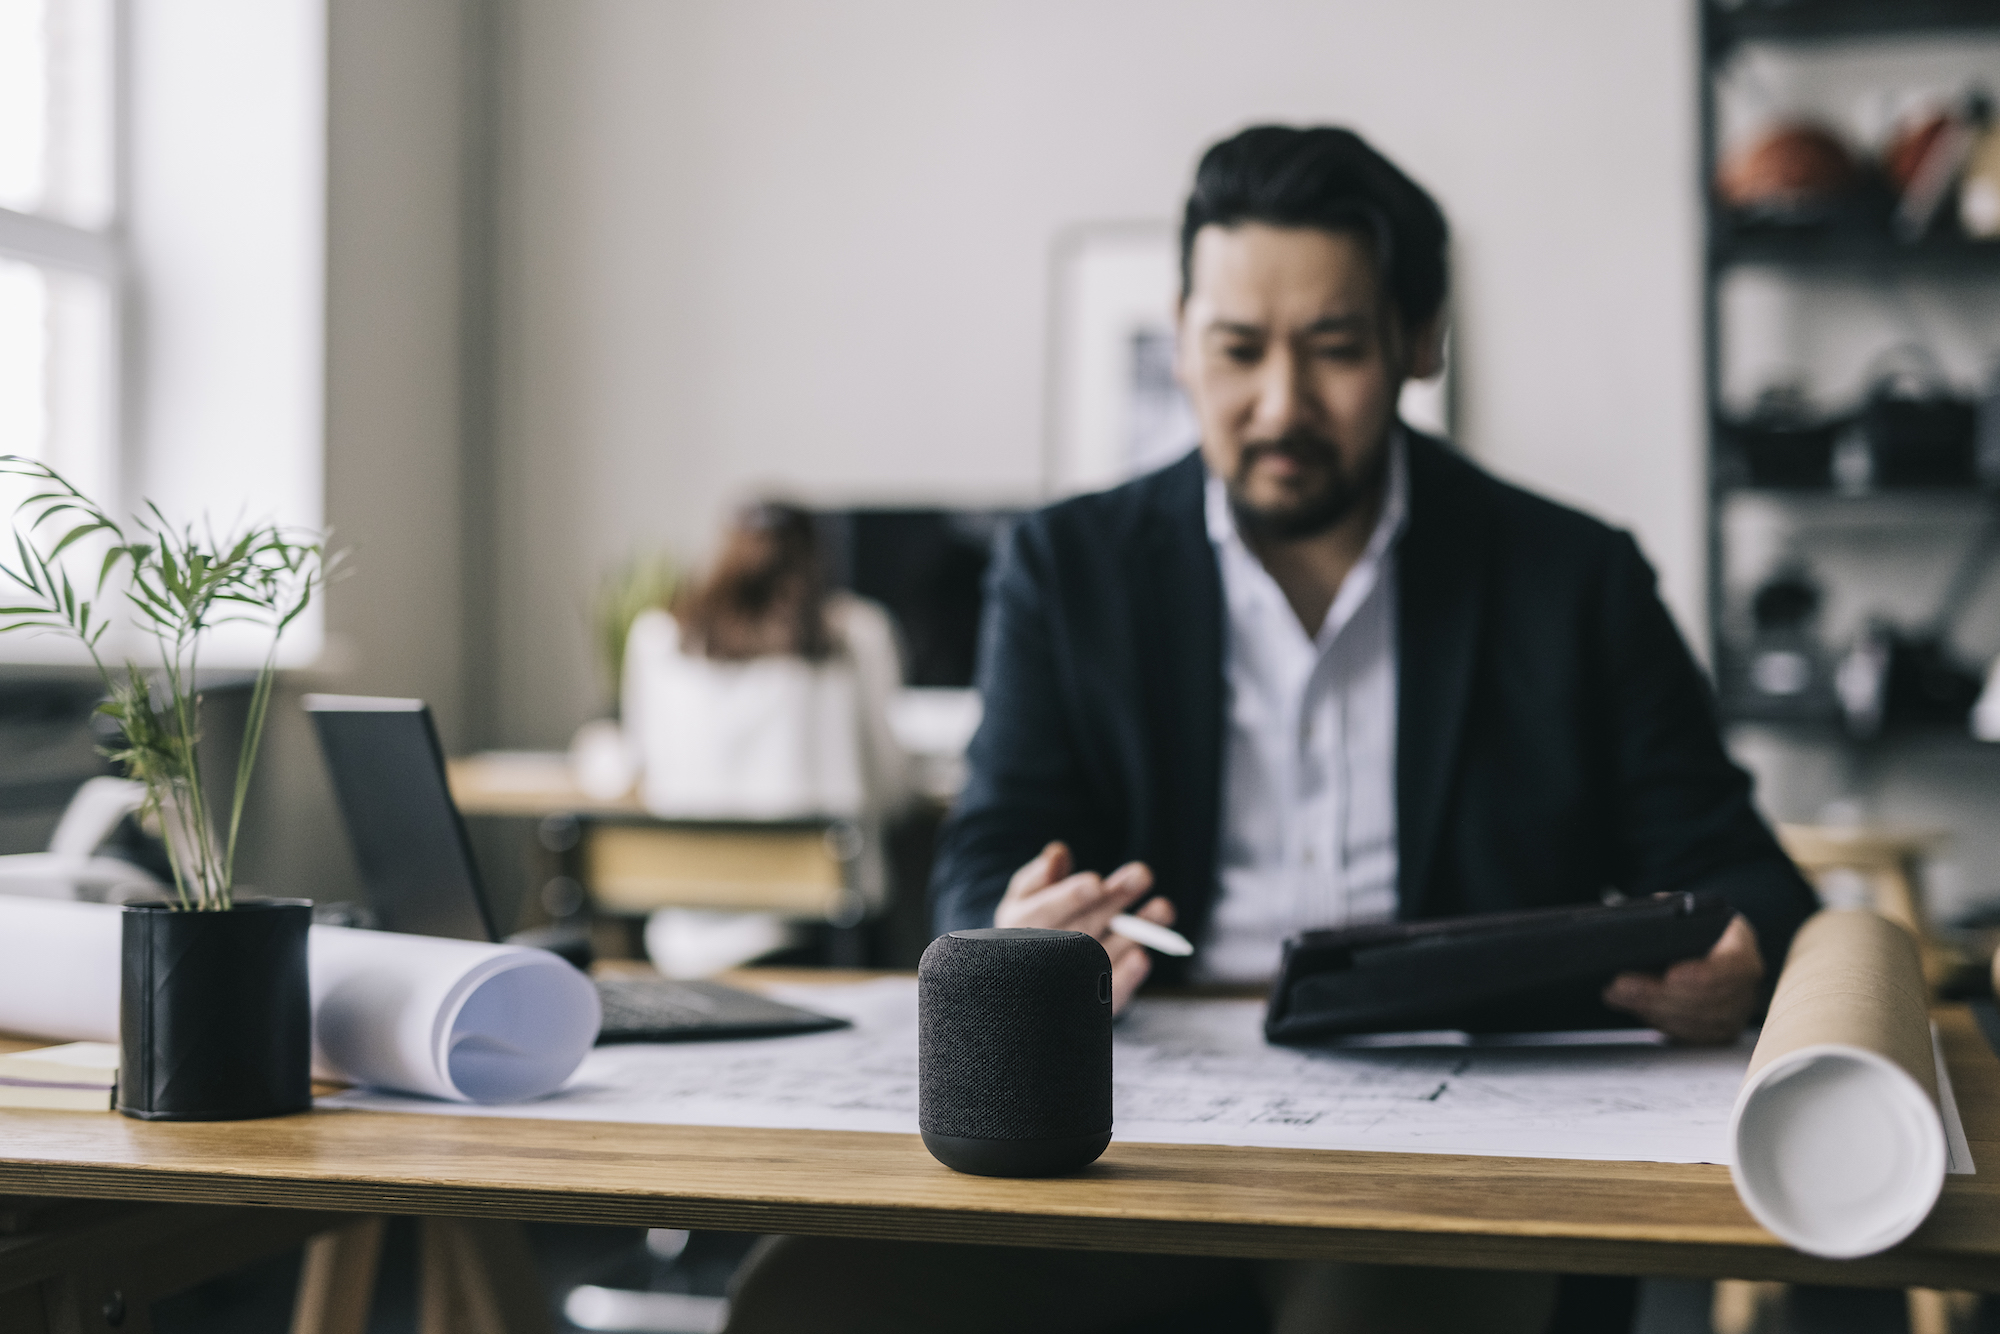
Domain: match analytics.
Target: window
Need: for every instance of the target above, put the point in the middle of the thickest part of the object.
(59, 257)
(162, 265)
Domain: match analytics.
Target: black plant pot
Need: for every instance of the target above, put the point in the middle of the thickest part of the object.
(215, 1021)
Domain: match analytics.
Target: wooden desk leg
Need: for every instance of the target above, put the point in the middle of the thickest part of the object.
(437, 1278)
(337, 1280)
(1896, 898)
(1934, 1312)
(1744, 1307)
(479, 1277)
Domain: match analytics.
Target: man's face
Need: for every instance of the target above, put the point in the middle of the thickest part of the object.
(1293, 360)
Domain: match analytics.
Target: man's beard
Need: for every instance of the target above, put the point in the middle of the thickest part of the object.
(1341, 493)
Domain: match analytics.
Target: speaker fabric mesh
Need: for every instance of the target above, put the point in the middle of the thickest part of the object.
(1014, 1035)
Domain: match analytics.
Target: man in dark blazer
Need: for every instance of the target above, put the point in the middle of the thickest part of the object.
(1553, 740)
(1322, 669)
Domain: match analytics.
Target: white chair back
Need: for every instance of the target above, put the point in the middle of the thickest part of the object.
(93, 813)
(70, 869)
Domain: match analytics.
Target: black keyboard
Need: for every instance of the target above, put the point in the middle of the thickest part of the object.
(657, 1009)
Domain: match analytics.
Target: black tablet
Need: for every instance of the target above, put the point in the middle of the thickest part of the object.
(1519, 972)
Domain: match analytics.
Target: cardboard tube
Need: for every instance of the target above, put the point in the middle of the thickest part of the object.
(1837, 1143)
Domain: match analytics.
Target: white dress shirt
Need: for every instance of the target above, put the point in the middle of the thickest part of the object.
(1309, 751)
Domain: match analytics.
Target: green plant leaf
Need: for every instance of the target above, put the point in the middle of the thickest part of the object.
(180, 581)
(77, 534)
(111, 559)
(27, 577)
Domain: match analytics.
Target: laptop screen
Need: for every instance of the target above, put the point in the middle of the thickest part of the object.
(389, 778)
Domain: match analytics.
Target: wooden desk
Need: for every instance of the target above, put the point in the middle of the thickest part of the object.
(1503, 1213)
(528, 784)
(632, 863)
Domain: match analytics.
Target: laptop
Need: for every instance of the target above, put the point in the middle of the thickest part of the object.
(418, 870)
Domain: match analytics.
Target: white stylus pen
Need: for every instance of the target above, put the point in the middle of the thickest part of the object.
(1152, 935)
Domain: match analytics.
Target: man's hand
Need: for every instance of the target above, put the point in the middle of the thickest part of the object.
(1701, 1001)
(1045, 893)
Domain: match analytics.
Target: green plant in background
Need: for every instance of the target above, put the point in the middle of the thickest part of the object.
(178, 585)
(638, 584)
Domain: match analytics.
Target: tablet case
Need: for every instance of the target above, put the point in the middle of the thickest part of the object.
(1520, 972)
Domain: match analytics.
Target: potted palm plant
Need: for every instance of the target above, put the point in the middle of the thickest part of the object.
(215, 1017)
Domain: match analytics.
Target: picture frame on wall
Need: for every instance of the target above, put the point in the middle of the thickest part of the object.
(1114, 407)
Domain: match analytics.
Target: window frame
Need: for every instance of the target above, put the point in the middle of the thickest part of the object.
(100, 253)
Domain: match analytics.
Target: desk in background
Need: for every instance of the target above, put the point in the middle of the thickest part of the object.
(626, 863)
(634, 863)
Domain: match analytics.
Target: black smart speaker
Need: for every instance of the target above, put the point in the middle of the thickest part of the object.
(1014, 1051)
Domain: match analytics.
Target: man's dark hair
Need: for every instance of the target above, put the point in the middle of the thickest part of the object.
(1329, 179)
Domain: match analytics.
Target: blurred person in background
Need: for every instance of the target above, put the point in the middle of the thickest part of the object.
(763, 694)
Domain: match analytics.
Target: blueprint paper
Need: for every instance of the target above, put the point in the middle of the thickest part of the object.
(1958, 1153)
(1186, 1072)
(860, 1078)
(1202, 1074)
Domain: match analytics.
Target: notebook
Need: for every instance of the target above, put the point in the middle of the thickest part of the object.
(77, 1076)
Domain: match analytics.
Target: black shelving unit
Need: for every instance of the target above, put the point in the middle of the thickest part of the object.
(1859, 243)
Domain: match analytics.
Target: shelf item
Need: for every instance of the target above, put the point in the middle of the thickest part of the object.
(1784, 454)
(1933, 181)
(1919, 441)
(1794, 169)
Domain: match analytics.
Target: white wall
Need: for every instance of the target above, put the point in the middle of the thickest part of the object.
(395, 465)
(226, 213)
(778, 242)
(394, 468)
(299, 218)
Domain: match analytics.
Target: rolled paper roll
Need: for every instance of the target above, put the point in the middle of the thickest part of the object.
(59, 969)
(448, 1018)
(454, 1019)
(1837, 1143)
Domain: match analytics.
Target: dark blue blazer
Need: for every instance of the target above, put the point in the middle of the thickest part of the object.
(1554, 737)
